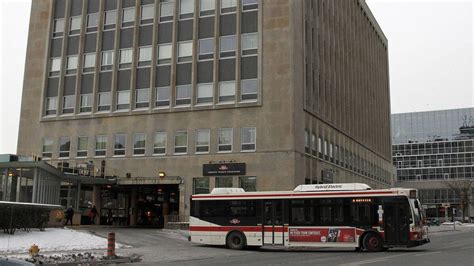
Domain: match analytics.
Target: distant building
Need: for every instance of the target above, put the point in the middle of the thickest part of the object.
(434, 151)
(179, 97)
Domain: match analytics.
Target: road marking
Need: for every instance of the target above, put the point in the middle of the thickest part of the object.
(428, 253)
(374, 260)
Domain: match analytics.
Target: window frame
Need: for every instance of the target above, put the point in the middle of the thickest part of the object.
(86, 108)
(130, 21)
(147, 20)
(142, 104)
(107, 56)
(110, 25)
(188, 15)
(96, 150)
(206, 56)
(122, 106)
(89, 68)
(126, 58)
(157, 94)
(188, 57)
(228, 53)
(100, 96)
(49, 101)
(184, 101)
(204, 100)
(55, 66)
(64, 154)
(165, 60)
(69, 104)
(207, 12)
(81, 153)
(242, 143)
(249, 97)
(139, 151)
(228, 9)
(207, 146)
(75, 31)
(219, 144)
(141, 53)
(155, 147)
(177, 147)
(50, 150)
(226, 100)
(248, 51)
(120, 152)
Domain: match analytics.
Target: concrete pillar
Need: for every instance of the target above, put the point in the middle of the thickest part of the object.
(35, 185)
(77, 196)
(133, 206)
(182, 199)
(18, 187)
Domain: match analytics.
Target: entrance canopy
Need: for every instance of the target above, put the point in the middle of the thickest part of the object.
(39, 182)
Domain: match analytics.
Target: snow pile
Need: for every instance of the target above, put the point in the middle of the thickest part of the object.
(53, 239)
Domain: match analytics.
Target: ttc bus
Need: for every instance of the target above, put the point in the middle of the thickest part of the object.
(320, 215)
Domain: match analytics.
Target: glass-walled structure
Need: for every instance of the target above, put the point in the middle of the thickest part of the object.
(434, 152)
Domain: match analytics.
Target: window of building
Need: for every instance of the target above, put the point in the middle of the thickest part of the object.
(47, 148)
(75, 25)
(110, 19)
(320, 147)
(249, 89)
(228, 45)
(162, 97)
(186, 9)
(159, 144)
(248, 139)
(181, 142)
(101, 145)
(123, 100)
(147, 15)
(71, 65)
(64, 147)
(144, 56)
(89, 63)
(207, 7)
(142, 98)
(227, 91)
(104, 101)
(306, 141)
(330, 151)
(313, 144)
(120, 144)
(203, 139)
(86, 103)
(82, 146)
(51, 105)
(92, 22)
(224, 181)
(69, 102)
(206, 49)
(139, 143)
(58, 27)
(185, 51)
(228, 6)
(107, 60)
(204, 93)
(166, 10)
(419, 163)
(249, 44)
(183, 95)
(225, 140)
(248, 183)
(399, 164)
(55, 67)
(249, 5)
(126, 56)
(164, 54)
(325, 148)
(128, 17)
(201, 185)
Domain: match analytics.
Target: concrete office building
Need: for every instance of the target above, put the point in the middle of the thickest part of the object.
(434, 152)
(178, 97)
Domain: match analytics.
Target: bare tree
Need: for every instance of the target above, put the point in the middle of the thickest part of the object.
(462, 188)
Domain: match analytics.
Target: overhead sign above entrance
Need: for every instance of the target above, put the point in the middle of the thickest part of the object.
(223, 169)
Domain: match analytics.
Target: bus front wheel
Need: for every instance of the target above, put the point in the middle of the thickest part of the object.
(236, 240)
(373, 242)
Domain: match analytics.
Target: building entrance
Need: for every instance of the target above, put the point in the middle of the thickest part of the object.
(152, 203)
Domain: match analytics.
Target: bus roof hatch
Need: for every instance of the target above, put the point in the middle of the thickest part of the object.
(332, 187)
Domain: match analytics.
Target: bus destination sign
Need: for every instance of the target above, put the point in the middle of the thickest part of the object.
(223, 169)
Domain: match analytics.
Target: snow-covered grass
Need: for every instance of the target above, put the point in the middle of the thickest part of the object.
(53, 239)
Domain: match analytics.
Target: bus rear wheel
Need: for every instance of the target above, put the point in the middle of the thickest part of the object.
(236, 240)
(373, 242)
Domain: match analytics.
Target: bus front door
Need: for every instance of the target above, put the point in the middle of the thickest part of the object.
(272, 224)
(396, 223)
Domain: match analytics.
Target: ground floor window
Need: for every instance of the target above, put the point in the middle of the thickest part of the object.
(248, 183)
(224, 181)
(201, 185)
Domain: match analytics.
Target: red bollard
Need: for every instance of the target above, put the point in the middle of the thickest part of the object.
(111, 245)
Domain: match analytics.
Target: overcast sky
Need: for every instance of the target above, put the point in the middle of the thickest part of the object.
(430, 48)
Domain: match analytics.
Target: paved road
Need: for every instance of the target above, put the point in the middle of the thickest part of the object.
(166, 247)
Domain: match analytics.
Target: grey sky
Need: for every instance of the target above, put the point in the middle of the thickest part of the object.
(430, 45)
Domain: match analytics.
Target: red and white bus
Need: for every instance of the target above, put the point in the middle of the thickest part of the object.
(320, 215)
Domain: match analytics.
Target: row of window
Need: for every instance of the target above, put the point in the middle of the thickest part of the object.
(227, 49)
(328, 151)
(203, 95)
(429, 174)
(201, 184)
(439, 160)
(186, 11)
(202, 140)
(433, 148)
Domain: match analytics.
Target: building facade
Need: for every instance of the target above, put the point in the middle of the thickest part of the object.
(434, 152)
(178, 97)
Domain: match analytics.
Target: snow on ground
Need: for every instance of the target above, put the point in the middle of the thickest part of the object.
(53, 239)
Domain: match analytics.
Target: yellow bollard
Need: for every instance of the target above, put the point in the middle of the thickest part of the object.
(34, 250)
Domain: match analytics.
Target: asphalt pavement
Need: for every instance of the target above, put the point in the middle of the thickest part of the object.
(168, 247)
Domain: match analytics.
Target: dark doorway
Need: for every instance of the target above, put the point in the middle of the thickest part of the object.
(154, 202)
(273, 227)
(396, 219)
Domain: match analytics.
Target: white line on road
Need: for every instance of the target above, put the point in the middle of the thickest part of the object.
(374, 260)
(428, 253)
